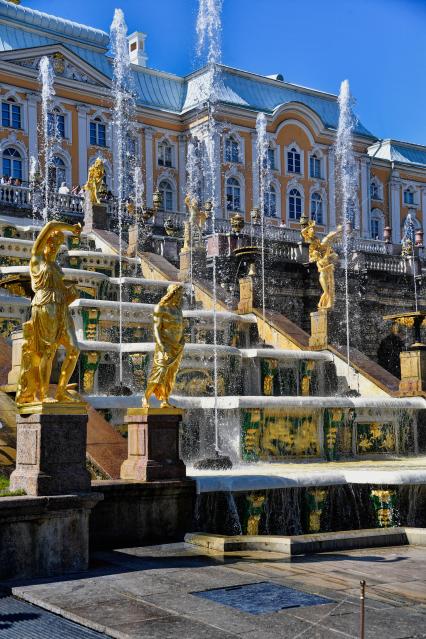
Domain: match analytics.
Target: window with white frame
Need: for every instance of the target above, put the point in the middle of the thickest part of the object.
(165, 154)
(11, 114)
(97, 132)
(293, 160)
(317, 208)
(376, 220)
(232, 149)
(166, 191)
(233, 194)
(294, 204)
(57, 172)
(270, 203)
(12, 164)
(56, 124)
(315, 166)
(409, 197)
(269, 161)
(375, 190)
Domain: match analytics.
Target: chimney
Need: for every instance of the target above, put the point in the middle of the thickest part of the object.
(137, 48)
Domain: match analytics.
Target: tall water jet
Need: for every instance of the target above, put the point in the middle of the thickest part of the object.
(347, 186)
(123, 113)
(193, 171)
(264, 171)
(46, 78)
(408, 251)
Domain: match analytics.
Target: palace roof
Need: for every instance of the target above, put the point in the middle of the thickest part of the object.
(396, 151)
(23, 28)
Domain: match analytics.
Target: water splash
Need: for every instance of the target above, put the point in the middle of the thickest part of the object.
(46, 78)
(264, 171)
(209, 31)
(347, 186)
(409, 241)
(193, 172)
(123, 114)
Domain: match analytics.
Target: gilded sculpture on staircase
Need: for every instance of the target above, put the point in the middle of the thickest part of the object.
(169, 344)
(51, 324)
(195, 224)
(322, 253)
(95, 181)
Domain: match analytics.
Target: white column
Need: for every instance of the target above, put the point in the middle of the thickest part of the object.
(149, 132)
(395, 208)
(365, 195)
(255, 171)
(423, 202)
(33, 99)
(182, 172)
(331, 191)
(82, 110)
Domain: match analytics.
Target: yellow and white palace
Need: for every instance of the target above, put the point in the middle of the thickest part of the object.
(302, 127)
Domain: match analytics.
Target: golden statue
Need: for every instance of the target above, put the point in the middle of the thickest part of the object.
(51, 324)
(169, 343)
(95, 181)
(321, 252)
(196, 222)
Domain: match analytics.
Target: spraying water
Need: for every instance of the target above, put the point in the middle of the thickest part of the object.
(347, 186)
(408, 241)
(209, 26)
(193, 182)
(123, 112)
(264, 182)
(46, 79)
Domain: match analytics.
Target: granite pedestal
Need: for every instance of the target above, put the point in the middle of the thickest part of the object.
(318, 340)
(153, 445)
(51, 454)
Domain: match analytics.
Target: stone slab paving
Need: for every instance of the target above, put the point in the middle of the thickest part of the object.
(146, 592)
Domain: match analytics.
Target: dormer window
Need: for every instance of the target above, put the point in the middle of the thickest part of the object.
(232, 150)
(97, 132)
(165, 154)
(315, 166)
(11, 114)
(56, 124)
(293, 160)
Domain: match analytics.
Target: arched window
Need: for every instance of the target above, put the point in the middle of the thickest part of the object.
(376, 224)
(232, 150)
(294, 204)
(57, 172)
(12, 163)
(97, 132)
(315, 166)
(271, 202)
(166, 191)
(316, 208)
(293, 160)
(233, 194)
(11, 114)
(165, 154)
(409, 196)
(56, 124)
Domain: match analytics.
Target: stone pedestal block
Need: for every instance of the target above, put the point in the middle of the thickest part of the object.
(100, 217)
(319, 330)
(413, 373)
(198, 263)
(153, 445)
(51, 454)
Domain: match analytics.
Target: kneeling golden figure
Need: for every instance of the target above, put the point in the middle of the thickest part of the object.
(169, 343)
(51, 324)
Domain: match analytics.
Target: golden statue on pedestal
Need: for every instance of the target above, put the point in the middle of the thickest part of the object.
(321, 252)
(95, 181)
(195, 224)
(169, 343)
(51, 324)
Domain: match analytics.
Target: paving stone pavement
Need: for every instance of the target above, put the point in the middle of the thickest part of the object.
(146, 593)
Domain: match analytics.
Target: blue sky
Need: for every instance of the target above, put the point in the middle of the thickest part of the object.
(379, 45)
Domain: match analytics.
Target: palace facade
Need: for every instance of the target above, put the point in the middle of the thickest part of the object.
(302, 126)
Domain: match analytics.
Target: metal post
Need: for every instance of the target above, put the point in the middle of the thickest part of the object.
(362, 598)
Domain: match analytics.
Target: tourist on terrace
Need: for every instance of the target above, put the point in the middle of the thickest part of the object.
(63, 189)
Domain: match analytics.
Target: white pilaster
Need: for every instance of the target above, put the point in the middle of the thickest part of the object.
(331, 191)
(149, 132)
(255, 170)
(365, 195)
(32, 100)
(395, 206)
(82, 111)
(182, 172)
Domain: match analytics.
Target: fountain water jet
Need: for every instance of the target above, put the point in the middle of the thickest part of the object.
(46, 78)
(264, 182)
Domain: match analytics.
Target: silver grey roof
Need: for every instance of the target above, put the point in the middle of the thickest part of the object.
(395, 151)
